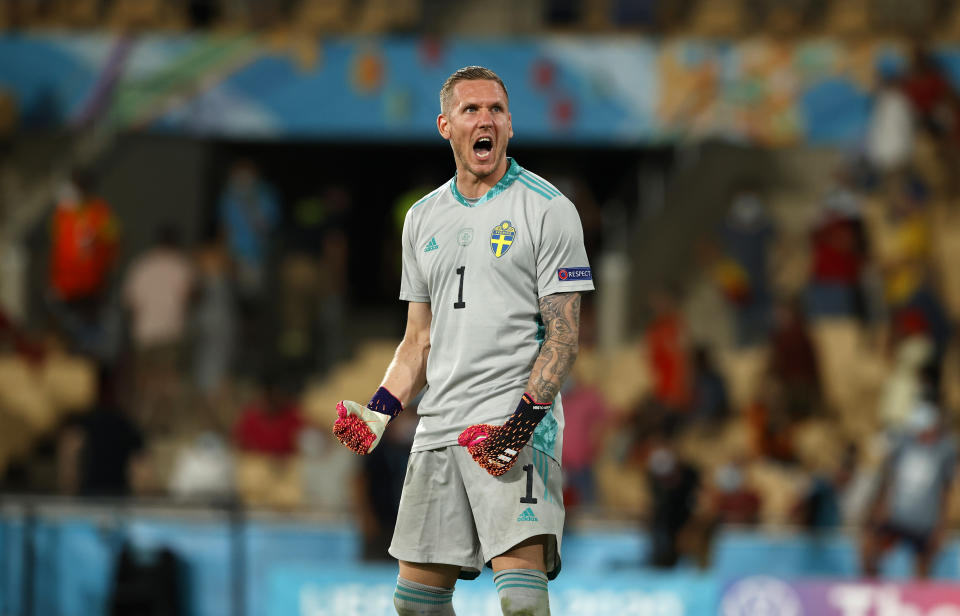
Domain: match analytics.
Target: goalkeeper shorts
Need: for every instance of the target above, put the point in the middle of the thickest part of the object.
(455, 513)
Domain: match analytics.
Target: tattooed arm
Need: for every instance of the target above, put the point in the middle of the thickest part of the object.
(561, 315)
(495, 448)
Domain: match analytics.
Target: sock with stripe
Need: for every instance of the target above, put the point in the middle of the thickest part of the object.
(522, 592)
(413, 599)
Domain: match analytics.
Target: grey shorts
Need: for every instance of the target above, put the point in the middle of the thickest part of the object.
(453, 512)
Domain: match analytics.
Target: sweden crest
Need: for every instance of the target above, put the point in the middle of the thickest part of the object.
(501, 238)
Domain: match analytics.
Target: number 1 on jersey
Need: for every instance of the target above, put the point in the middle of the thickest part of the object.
(460, 303)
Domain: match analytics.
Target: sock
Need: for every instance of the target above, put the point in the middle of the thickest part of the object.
(413, 599)
(522, 591)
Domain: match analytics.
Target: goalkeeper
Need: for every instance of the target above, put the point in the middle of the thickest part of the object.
(493, 268)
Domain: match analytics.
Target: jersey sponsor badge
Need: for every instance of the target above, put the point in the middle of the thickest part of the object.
(574, 273)
(501, 238)
(465, 236)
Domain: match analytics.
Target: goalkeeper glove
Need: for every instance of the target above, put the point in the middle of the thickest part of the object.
(495, 448)
(359, 427)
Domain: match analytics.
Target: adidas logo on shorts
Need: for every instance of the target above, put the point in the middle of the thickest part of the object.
(527, 516)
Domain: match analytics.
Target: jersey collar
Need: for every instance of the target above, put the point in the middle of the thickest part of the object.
(513, 170)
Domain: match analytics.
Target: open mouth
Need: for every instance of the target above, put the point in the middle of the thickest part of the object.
(482, 147)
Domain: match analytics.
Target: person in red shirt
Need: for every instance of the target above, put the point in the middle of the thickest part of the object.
(666, 340)
(83, 250)
(83, 242)
(271, 424)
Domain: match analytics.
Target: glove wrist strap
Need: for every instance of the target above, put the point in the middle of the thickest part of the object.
(529, 410)
(385, 402)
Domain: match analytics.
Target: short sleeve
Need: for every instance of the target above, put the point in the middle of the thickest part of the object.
(562, 264)
(413, 286)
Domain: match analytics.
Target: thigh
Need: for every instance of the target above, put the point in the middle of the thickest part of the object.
(440, 576)
(435, 522)
(518, 506)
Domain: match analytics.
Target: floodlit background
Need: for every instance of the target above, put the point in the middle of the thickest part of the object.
(200, 209)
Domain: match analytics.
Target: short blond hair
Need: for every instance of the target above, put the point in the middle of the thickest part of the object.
(467, 73)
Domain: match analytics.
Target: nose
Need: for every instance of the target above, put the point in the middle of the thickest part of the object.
(485, 118)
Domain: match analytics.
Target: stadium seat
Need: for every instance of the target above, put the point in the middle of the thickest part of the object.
(69, 382)
(848, 18)
(355, 379)
(743, 370)
(22, 395)
(322, 16)
(265, 481)
(377, 16)
(946, 253)
(718, 19)
(146, 14)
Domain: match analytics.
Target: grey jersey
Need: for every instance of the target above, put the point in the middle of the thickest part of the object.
(483, 266)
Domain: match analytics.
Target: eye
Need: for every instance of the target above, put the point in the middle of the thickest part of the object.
(470, 108)
(497, 108)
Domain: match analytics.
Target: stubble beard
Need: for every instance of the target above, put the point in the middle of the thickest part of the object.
(478, 173)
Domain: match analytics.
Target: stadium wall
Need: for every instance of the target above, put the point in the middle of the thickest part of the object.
(314, 569)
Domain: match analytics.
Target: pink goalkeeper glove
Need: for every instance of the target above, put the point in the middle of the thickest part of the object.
(359, 427)
(495, 448)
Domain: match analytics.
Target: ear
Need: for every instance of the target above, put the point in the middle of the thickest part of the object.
(443, 126)
(510, 124)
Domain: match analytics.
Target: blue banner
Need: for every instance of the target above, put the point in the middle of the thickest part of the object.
(577, 90)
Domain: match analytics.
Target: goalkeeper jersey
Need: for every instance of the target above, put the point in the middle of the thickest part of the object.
(482, 265)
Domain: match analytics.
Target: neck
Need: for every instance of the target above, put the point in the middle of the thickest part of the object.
(474, 187)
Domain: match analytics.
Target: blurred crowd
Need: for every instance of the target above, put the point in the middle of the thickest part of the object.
(723, 18)
(803, 374)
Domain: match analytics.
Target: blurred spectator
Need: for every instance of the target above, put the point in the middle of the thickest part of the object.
(930, 92)
(838, 247)
(271, 424)
(212, 325)
(666, 342)
(157, 292)
(380, 483)
(673, 484)
(770, 424)
(890, 133)
(586, 418)
(102, 452)
(203, 470)
(313, 294)
(910, 505)
(83, 250)
(710, 405)
(730, 499)
(325, 464)
(249, 212)
(904, 384)
(793, 362)
(744, 237)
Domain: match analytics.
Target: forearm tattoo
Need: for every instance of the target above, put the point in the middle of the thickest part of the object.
(561, 316)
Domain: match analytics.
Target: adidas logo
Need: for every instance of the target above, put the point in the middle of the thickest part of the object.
(527, 516)
(431, 245)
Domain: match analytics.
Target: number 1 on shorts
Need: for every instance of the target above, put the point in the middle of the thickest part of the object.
(529, 497)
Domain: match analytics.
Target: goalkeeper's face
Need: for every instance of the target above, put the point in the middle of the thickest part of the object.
(477, 124)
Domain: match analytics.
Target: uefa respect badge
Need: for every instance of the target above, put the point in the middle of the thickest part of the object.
(565, 274)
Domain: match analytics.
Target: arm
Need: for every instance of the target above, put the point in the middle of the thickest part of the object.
(407, 373)
(495, 448)
(561, 316)
(359, 427)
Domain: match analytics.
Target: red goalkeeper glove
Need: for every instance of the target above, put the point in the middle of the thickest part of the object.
(359, 427)
(495, 448)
